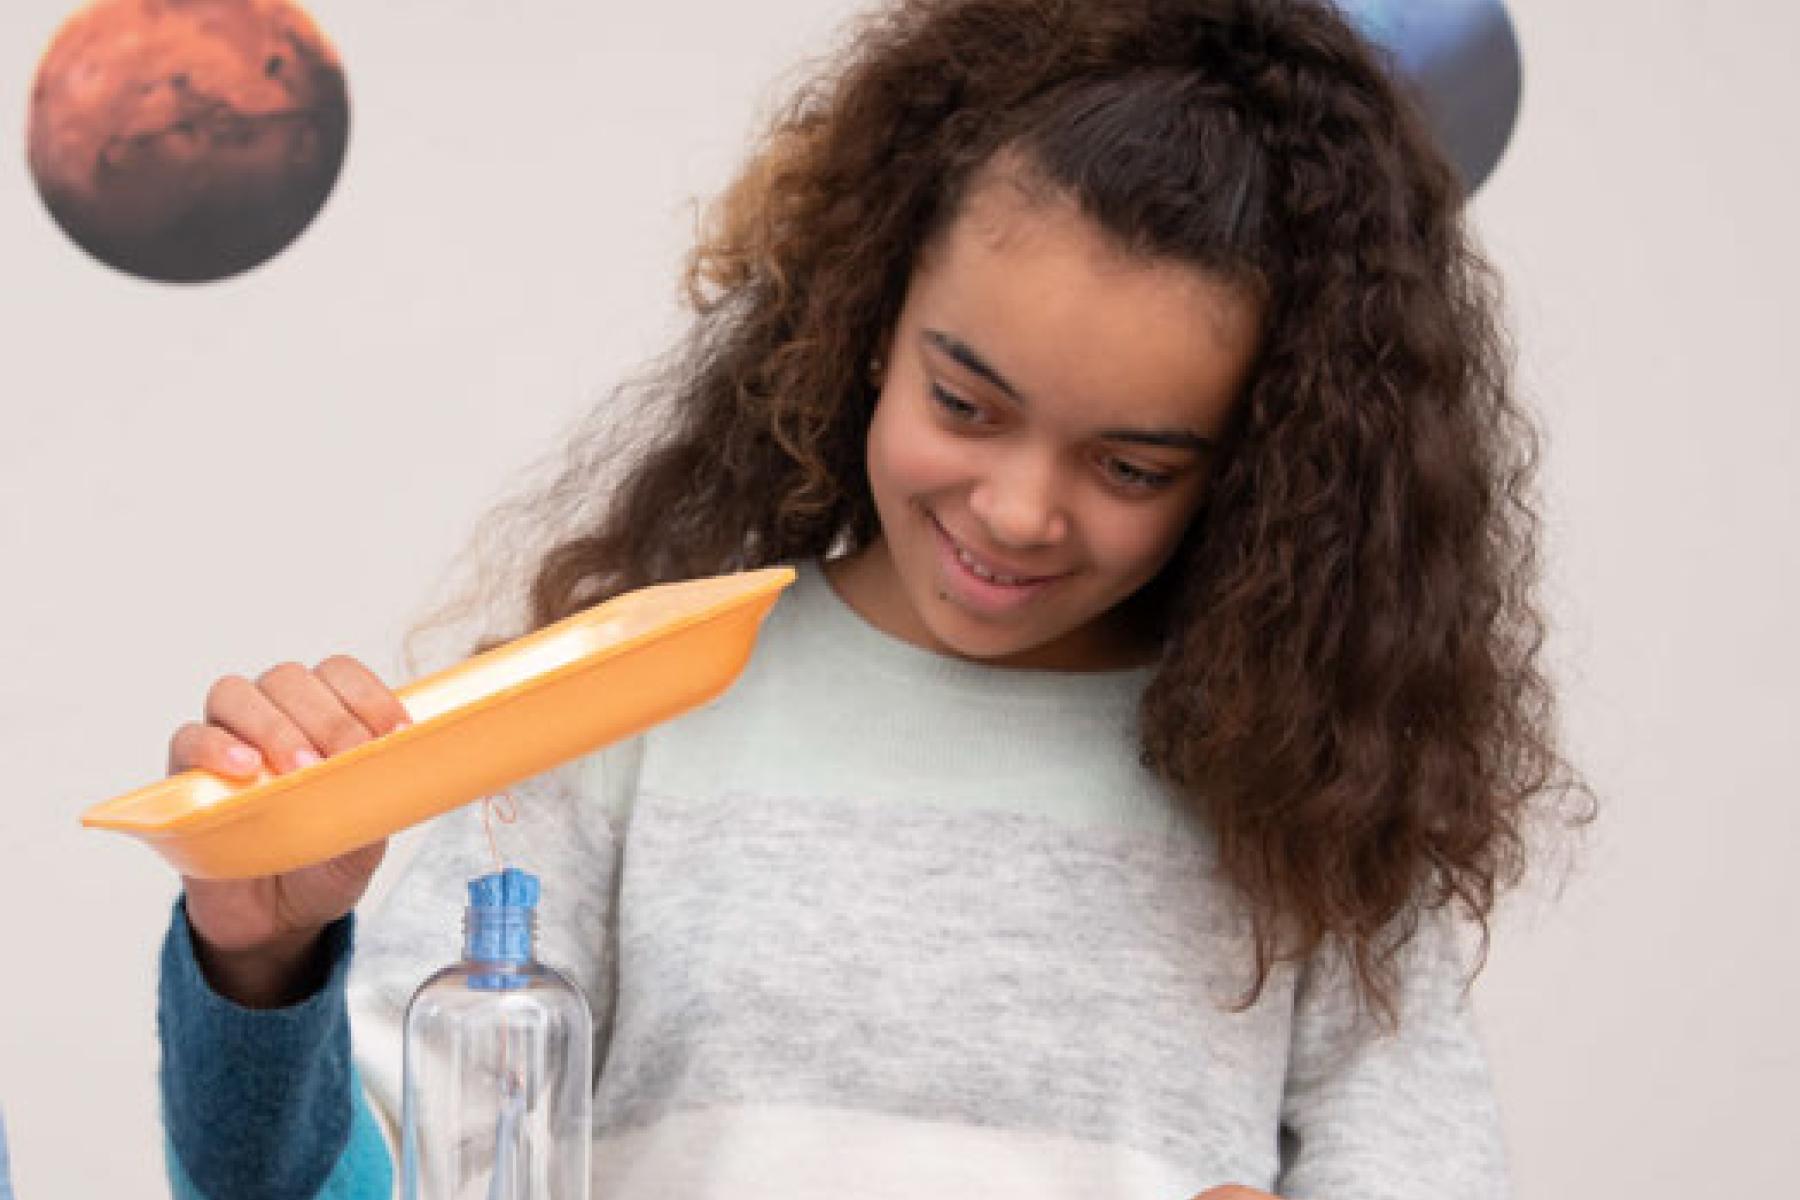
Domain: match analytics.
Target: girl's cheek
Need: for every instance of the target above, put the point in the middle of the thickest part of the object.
(1138, 536)
(923, 457)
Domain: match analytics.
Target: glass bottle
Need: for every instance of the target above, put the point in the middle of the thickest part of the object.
(499, 1054)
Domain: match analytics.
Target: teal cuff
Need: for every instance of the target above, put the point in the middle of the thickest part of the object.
(364, 1171)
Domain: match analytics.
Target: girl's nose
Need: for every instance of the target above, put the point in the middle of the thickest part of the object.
(1019, 506)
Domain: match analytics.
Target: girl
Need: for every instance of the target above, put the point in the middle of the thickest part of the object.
(1103, 809)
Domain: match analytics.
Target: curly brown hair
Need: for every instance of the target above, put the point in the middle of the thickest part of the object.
(1348, 687)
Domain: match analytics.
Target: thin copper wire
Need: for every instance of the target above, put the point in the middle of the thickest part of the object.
(504, 809)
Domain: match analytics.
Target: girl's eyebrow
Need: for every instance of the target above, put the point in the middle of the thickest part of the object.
(1174, 439)
(965, 356)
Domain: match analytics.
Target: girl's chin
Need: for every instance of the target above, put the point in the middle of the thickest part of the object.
(976, 645)
(963, 635)
(1020, 641)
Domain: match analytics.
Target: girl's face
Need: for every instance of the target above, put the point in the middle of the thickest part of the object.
(1047, 411)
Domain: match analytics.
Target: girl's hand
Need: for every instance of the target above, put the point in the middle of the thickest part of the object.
(257, 939)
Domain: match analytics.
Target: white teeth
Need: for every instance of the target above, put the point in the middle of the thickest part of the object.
(981, 572)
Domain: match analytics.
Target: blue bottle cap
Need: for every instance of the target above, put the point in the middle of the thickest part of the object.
(501, 922)
(511, 888)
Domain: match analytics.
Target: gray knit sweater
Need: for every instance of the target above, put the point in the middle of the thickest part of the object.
(881, 923)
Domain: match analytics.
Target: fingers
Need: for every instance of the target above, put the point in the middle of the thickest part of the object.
(288, 718)
(363, 693)
(212, 748)
(312, 704)
(251, 713)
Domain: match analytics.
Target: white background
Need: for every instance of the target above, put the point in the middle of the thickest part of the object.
(203, 480)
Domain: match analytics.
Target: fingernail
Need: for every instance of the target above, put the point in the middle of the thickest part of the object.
(305, 758)
(402, 724)
(243, 758)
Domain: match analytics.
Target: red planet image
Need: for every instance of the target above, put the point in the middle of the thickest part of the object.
(187, 140)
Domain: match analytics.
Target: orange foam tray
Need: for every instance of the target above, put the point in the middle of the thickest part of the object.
(478, 727)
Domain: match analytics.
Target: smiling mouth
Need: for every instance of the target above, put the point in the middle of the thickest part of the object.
(982, 573)
(981, 570)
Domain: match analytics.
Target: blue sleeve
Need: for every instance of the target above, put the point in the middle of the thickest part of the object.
(6, 1192)
(263, 1104)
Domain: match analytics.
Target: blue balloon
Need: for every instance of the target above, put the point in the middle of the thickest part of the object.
(1461, 59)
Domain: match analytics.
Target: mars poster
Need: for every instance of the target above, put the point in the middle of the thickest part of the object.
(187, 140)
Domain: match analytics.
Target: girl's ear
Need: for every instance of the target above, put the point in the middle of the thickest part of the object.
(878, 360)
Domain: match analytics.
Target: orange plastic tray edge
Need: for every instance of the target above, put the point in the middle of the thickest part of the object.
(468, 751)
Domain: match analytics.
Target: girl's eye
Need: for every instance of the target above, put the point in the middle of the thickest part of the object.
(1135, 478)
(953, 405)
